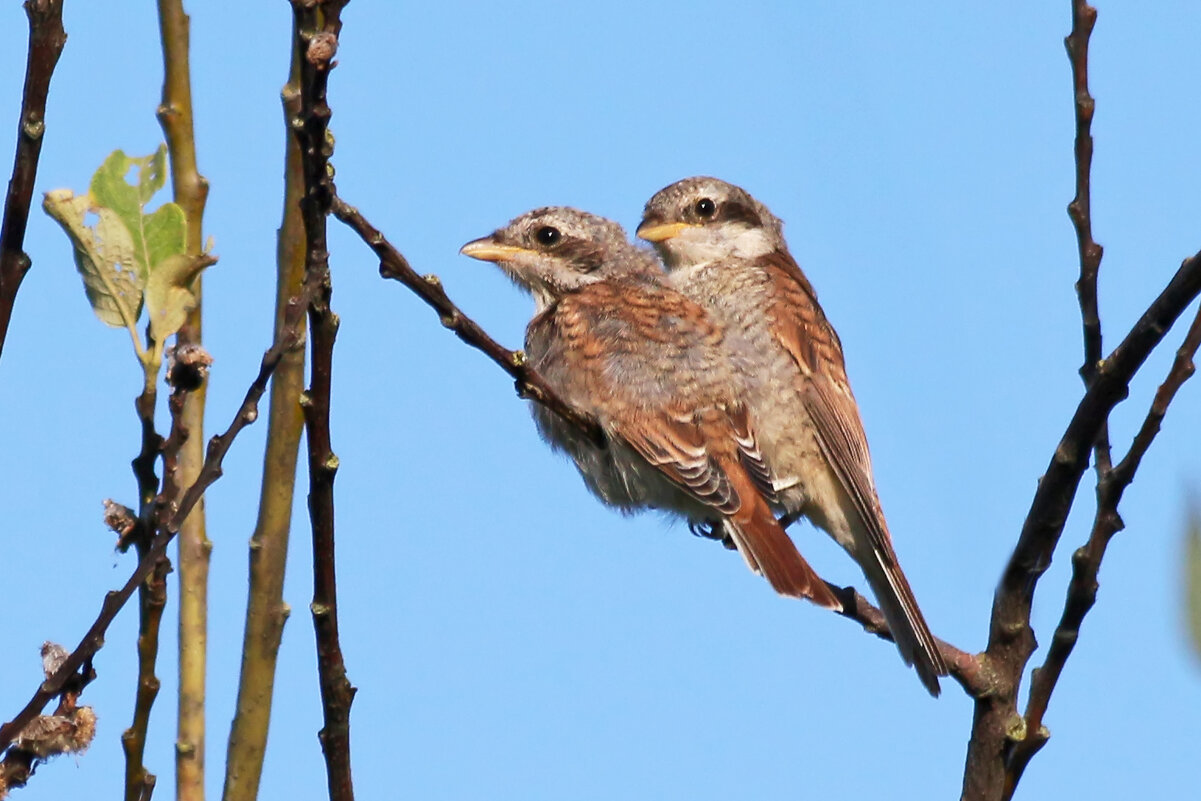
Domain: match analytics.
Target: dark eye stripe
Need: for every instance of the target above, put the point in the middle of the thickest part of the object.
(737, 211)
(582, 255)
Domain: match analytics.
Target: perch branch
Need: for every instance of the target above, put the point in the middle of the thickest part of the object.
(965, 668)
(46, 41)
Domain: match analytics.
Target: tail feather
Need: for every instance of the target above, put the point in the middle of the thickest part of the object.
(769, 551)
(914, 640)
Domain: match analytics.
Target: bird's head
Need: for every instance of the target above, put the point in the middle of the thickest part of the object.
(699, 220)
(556, 250)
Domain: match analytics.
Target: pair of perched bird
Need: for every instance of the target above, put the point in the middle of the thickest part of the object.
(719, 384)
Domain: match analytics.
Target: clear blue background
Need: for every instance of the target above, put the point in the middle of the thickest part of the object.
(510, 637)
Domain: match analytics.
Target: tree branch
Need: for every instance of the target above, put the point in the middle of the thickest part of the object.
(1011, 640)
(1086, 561)
(965, 668)
(152, 595)
(266, 611)
(190, 193)
(317, 25)
(46, 41)
(69, 729)
(1084, 17)
(218, 446)
(529, 384)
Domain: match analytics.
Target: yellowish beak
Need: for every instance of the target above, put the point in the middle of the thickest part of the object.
(659, 233)
(487, 250)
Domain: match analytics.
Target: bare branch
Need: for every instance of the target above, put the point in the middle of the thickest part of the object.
(965, 668)
(1084, 17)
(317, 25)
(1086, 561)
(46, 41)
(152, 595)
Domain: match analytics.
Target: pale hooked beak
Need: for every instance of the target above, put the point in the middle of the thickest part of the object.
(661, 231)
(486, 249)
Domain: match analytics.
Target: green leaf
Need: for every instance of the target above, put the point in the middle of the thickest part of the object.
(169, 296)
(104, 256)
(156, 236)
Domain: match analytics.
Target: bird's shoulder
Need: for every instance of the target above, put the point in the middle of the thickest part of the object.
(799, 318)
(640, 307)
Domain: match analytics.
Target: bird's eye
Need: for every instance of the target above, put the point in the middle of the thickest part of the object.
(705, 207)
(548, 236)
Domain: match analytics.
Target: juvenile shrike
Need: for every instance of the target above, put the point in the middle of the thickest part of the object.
(613, 341)
(726, 251)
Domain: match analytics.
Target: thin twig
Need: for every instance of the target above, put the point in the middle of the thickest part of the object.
(46, 41)
(394, 265)
(190, 193)
(152, 595)
(317, 26)
(1084, 17)
(152, 598)
(266, 611)
(218, 446)
(1086, 561)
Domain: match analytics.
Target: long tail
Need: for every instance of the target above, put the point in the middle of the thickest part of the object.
(909, 630)
(768, 550)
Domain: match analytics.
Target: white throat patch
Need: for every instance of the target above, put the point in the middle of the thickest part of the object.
(696, 246)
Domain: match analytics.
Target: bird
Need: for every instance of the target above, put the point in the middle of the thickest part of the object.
(726, 251)
(613, 341)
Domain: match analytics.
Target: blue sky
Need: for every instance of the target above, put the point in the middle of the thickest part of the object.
(510, 637)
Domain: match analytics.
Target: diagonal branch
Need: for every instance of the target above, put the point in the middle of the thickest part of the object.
(1011, 640)
(46, 41)
(965, 668)
(395, 266)
(316, 26)
(1086, 561)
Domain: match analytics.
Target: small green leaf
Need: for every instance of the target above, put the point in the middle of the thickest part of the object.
(155, 236)
(169, 296)
(104, 256)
